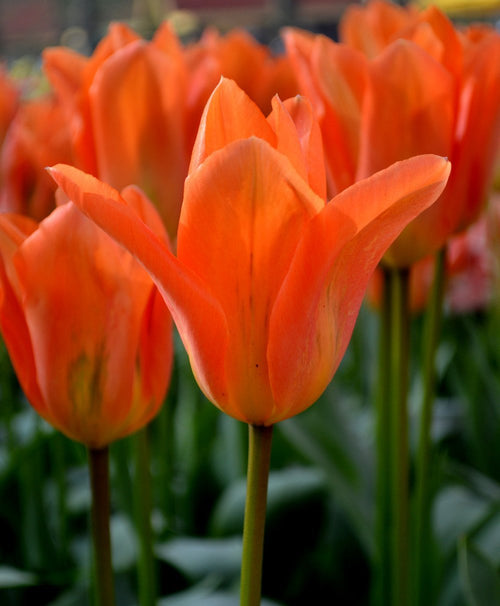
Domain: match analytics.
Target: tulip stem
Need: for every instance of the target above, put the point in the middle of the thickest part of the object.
(422, 505)
(259, 456)
(400, 340)
(146, 561)
(382, 585)
(99, 484)
(58, 460)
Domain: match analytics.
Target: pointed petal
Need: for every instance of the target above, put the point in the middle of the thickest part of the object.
(229, 115)
(314, 314)
(299, 138)
(167, 41)
(196, 312)
(118, 36)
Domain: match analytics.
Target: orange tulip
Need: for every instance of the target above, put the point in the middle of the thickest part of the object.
(237, 56)
(126, 109)
(396, 93)
(37, 137)
(87, 332)
(268, 279)
(372, 27)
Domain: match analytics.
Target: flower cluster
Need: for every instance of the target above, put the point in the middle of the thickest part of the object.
(247, 197)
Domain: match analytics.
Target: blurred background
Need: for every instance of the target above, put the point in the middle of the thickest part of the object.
(27, 26)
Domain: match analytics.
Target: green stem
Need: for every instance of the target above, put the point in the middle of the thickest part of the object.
(146, 562)
(37, 540)
(400, 340)
(381, 592)
(58, 453)
(422, 504)
(259, 455)
(99, 484)
(163, 427)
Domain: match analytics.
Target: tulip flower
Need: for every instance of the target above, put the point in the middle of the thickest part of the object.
(124, 92)
(87, 332)
(411, 74)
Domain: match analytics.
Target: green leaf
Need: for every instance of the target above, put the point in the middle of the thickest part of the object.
(488, 540)
(79, 596)
(12, 577)
(480, 580)
(457, 511)
(199, 558)
(335, 436)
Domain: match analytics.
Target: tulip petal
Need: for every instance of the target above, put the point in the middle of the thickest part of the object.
(333, 77)
(244, 211)
(318, 304)
(156, 355)
(130, 103)
(477, 140)
(14, 229)
(436, 34)
(299, 138)
(229, 115)
(342, 79)
(409, 105)
(187, 297)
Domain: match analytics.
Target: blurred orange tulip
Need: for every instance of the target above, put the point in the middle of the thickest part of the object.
(9, 101)
(126, 109)
(268, 278)
(37, 137)
(406, 83)
(239, 57)
(88, 334)
(373, 26)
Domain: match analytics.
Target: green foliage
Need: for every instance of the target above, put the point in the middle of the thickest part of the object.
(320, 515)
